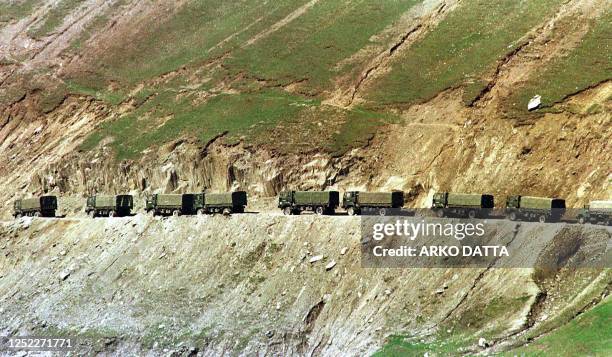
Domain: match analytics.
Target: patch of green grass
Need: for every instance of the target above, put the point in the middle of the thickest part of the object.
(187, 37)
(15, 10)
(358, 129)
(399, 346)
(111, 97)
(236, 115)
(589, 334)
(55, 17)
(310, 47)
(95, 25)
(460, 50)
(588, 64)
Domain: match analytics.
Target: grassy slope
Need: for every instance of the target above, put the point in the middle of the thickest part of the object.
(589, 63)
(10, 11)
(55, 17)
(462, 50)
(311, 46)
(588, 334)
(464, 47)
(241, 114)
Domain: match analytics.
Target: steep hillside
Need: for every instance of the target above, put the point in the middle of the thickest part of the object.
(109, 96)
(419, 96)
(252, 284)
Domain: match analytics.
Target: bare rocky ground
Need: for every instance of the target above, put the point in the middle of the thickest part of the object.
(250, 284)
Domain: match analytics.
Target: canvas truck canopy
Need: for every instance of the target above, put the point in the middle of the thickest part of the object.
(30, 203)
(316, 198)
(600, 205)
(531, 202)
(470, 199)
(169, 200)
(381, 198)
(105, 201)
(238, 198)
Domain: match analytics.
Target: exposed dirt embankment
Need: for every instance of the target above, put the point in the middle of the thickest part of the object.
(254, 284)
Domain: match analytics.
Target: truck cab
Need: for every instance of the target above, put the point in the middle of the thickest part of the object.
(439, 200)
(285, 199)
(350, 199)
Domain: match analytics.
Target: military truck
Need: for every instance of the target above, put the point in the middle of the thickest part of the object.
(531, 208)
(111, 206)
(175, 204)
(596, 211)
(43, 206)
(356, 202)
(470, 205)
(226, 203)
(321, 202)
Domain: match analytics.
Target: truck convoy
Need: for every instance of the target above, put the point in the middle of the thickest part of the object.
(200, 203)
(462, 204)
(542, 209)
(356, 202)
(321, 202)
(111, 206)
(531, 208)
(596, 211)
(43, 206)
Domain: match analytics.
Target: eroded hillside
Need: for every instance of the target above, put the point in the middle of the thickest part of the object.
(420, 96)
(269, 284)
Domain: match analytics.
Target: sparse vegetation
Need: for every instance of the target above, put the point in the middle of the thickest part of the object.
(586, 65)
(460, 50)
(55, 17)
(589, 334)
(15, 10)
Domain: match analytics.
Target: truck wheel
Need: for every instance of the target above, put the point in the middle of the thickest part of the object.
(18, 215)
(176, 213)
(287, 211)
(581, 219)
(542, 218)
(36, 214)
(201, 212)
(151, 213)
(111, 213)
(382, 212)
(91, 214)
(440, 213)
(350, 211)
(471, 214)
(227, 211)
(512, 216)
(319, 211)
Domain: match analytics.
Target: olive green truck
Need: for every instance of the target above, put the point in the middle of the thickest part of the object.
(542, 209)
(200, 203)
(321, 202)
(357, 202)
(176, 204)
(596, 211)
(43, 206)
(469, 205)
(111, 206)
(226, 202)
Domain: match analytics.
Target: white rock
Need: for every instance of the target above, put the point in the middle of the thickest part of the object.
(534, 102)
(330, 265)
(482, 342)
(316, 258)
(343, 251)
